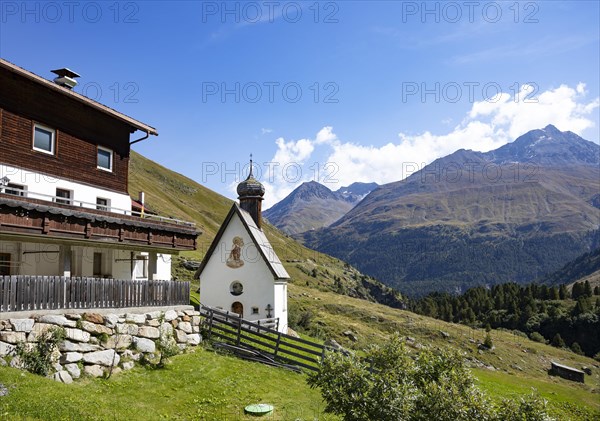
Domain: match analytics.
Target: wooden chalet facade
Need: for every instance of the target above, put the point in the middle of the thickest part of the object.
(65, 209)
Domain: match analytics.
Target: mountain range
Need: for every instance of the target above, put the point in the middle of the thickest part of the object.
(312, 205)
(512, 214)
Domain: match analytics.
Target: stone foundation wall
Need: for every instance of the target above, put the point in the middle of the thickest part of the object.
(98, 342)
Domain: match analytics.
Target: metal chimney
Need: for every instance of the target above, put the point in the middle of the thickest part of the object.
(65, 77)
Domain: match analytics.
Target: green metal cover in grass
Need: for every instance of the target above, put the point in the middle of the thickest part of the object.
(258, 409)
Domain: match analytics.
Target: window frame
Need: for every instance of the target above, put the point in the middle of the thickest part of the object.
(63, 200)
(6, 259)
(97, 261)
(21, 190)
(102, 207)
(111, 161)
(52, 132)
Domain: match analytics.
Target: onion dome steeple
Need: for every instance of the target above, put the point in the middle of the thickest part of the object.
(250, 187)
(250, 193)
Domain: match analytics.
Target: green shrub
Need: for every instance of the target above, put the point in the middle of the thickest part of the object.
(487, 342)
(390, 383)
(38, 359)
(576, 348)
(558, 341)
(528, 408)
(166, 346)
(537, 337)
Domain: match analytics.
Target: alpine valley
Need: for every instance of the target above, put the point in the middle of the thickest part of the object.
(513, 214)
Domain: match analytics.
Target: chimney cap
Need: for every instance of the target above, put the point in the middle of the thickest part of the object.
(65, 72)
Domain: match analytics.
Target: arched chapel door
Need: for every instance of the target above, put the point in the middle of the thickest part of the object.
(238, 308)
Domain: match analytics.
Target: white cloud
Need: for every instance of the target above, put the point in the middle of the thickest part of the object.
(487, 126)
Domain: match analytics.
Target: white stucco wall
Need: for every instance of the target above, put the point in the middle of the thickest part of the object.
(39, 184)
(163, 267)
(255, 276)
(280, 289)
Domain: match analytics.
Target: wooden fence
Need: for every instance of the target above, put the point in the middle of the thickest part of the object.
(231, 328)
(26, 293)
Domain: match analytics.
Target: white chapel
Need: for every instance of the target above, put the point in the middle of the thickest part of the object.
(241, 272)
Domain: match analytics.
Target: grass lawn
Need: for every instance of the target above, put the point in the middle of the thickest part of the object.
(198, 385)
(560, 396)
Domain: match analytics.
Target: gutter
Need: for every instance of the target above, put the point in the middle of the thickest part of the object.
(140, 139)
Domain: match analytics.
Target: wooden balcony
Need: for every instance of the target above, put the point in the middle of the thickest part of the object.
(32, 219)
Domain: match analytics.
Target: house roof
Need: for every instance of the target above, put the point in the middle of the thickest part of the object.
(78, 97)
(566, 367)
(258, 238)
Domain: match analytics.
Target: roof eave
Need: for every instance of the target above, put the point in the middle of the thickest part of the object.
(236, 209)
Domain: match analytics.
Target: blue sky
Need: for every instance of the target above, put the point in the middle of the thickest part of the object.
(340, 91)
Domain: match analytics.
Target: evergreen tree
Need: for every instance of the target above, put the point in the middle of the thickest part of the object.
(587, 289)
(563, 292)
(577, 291)
(581, 307)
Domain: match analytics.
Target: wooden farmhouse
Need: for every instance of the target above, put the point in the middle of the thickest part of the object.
(241, 272)
(65, 209)
(566, 372)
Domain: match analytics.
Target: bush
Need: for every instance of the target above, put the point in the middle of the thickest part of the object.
(391, 384)
(529, 408)
(537, 337)
(576, 348)
(487, 342)
(558, 341)
(38, 360)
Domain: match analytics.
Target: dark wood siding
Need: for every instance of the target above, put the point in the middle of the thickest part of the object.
(87, 226)
(79, 130)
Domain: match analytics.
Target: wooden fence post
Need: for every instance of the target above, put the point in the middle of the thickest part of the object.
(277, 345)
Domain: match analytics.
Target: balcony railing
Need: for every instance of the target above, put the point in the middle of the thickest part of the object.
(22, 193)
(29, 293)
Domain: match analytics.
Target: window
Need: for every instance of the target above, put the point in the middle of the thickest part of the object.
(97, 265)
(254, 310)
(140, 267)
(236, 288)
(15, 189)
(43, 139)
(4, 264)
(102, 204)
(63, 196)
(105, 159)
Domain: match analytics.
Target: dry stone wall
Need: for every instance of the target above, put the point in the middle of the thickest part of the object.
(99, 343)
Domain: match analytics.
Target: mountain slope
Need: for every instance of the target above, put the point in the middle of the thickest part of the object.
(172, 194)
(312, 205)
(513, 214)
(585, 267)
